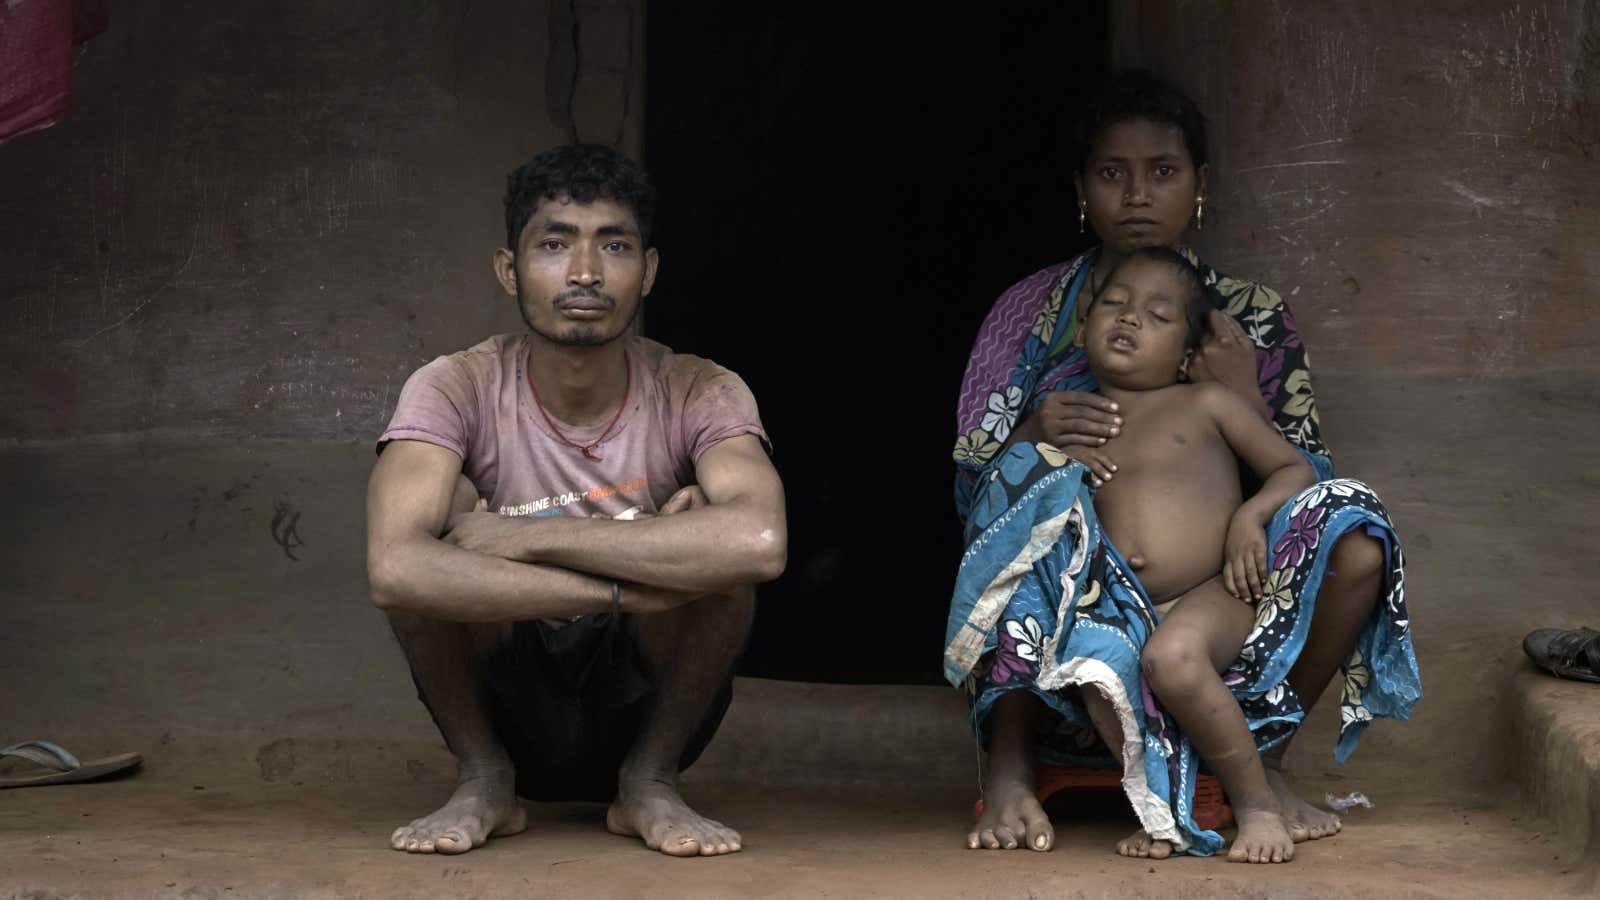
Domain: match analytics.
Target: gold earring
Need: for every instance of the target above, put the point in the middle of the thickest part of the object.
(1199, 213)
(1082, 209)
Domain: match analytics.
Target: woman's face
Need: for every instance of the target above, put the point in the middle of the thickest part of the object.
(1140, 185)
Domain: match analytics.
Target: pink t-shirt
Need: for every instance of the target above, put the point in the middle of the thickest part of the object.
(477, 403)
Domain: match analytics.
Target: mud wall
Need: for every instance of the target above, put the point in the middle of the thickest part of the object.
(258, 219)
(1417, 175)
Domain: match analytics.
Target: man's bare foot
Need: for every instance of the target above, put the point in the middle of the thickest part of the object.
(1012, 817)
(1262, 837)
(1305, 822)
(653, 812)
(1142, 845)
(482, 807)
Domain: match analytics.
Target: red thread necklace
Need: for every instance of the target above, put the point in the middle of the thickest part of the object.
(587, 449)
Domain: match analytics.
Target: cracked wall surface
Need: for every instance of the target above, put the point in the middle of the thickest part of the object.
(257, 224)
(1415, 175)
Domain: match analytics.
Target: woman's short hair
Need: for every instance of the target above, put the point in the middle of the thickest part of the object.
(1139, 94)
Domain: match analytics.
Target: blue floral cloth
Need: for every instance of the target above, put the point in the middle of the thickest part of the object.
(1044, 603)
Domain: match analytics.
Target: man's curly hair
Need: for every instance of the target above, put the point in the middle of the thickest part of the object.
(583, 173)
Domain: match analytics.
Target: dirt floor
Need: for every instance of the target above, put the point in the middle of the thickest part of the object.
(204, 604)
(186, 835)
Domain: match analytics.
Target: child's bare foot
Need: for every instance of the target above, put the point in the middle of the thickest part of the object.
(1012, 816)
(1262, 838)
(1143, 846)
(1305, 822)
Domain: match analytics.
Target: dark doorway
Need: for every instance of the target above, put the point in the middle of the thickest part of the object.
(843, 195)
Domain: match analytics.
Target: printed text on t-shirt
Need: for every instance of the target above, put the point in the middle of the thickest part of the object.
(556, 501)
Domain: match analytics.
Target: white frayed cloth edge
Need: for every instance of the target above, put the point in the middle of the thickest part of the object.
(1154, 813)
(963, 652)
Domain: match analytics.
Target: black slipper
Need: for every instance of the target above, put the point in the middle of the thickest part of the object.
(1568, 652)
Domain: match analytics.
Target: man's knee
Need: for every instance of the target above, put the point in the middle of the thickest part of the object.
(737, 607)
(715, 618)
(740, 602)
(1357, 556)
(476, 638)
(408, 625)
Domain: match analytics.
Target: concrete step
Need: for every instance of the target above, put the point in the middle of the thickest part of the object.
(1557, 727)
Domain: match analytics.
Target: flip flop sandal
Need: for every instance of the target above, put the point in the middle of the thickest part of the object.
(1567, 652)
(64, 767)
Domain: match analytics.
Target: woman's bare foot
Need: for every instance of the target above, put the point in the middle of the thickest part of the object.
(1143, 846)
(1012, 817)
(654, 812)
(482, 807)
(1262, 837)
(1305, 822)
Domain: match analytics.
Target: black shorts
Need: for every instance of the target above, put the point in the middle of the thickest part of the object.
(568, 701)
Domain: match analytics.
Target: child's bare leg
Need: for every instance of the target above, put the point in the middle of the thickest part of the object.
(1199, 638)
(1011, 813)
(1104, 716)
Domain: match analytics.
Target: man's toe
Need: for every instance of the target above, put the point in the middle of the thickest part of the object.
(711, 843)
(680, 843)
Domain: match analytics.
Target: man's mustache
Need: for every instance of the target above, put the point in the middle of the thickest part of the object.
(585, 293)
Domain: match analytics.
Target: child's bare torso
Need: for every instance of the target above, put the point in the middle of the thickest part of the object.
(1175, 490)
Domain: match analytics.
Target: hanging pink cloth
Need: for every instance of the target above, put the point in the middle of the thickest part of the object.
(36, 38)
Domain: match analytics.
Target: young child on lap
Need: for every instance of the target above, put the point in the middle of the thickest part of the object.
(1169, 499)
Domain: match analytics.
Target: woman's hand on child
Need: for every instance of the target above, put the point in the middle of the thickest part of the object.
(1080, 418)
(1244, 569)
(1227, 355)
(1100, 464)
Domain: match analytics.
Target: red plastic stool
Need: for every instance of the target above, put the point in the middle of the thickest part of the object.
(1211, 807)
